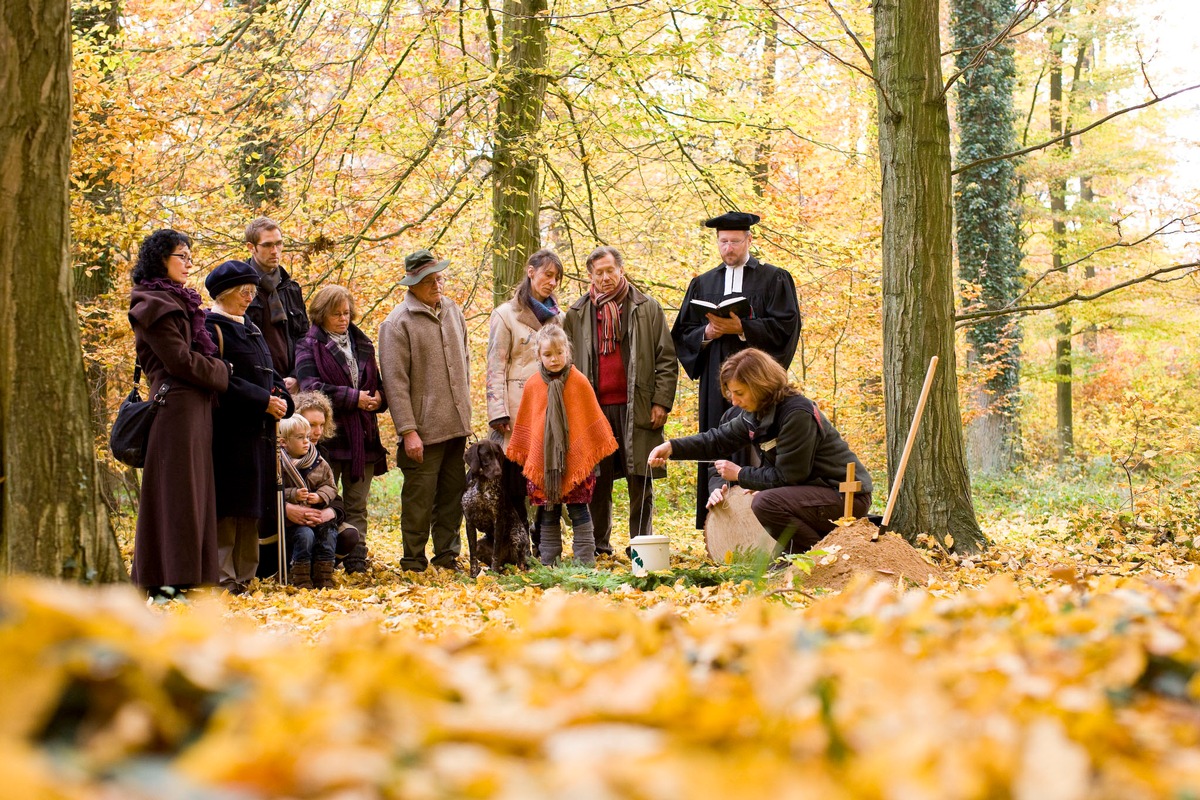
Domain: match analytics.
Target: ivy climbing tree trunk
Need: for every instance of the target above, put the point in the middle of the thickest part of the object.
(918, 274)
(987, 214)
(52, 520)
(521, 86)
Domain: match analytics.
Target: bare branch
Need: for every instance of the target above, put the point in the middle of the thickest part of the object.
(1157, 99)
(1160, 230)
(853, 37)
(969, 318)
(1021, 15)
(822, 48)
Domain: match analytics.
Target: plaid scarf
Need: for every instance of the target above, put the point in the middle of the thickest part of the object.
(201, 340)
(608, 312)
(292, 466)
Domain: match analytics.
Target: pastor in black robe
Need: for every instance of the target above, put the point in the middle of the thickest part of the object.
(773, 328)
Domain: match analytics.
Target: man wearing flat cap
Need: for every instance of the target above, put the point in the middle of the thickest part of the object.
(704, 340)
(423, 359)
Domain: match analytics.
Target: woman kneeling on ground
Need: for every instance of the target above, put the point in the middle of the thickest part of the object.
(802, 457)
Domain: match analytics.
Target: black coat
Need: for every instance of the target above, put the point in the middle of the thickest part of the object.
(243, 432)
(796, 446)
(282, 339)
(774, 329)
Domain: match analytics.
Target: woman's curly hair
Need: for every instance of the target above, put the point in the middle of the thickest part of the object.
(306, 401)
(152, 255)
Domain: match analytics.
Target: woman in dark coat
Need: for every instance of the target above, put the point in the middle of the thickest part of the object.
(802, 457)
(175, 546)
(243, 423)
(337, 358)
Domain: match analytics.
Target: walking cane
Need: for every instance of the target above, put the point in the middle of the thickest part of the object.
(281, 556)
(912, 435)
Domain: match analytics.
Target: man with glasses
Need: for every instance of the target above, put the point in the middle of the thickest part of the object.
(424, 363)
(705, 337)
(278, 308)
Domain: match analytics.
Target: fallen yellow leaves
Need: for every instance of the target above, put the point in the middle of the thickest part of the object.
(1002, 691)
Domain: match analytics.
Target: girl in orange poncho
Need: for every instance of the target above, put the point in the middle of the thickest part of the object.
(559, 437)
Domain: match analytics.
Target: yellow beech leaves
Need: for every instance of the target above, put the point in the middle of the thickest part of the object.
(996, 681)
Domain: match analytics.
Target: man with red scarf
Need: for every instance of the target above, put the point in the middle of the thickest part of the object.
(623, 345)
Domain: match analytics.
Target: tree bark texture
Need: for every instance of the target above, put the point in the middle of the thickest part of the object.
(52, 520)
(918, 275)
(988, 219)
(260, 165)
(516, 201)
(1064, 408)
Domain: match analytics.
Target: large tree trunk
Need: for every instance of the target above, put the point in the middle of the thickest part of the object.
(918, 274)
(987, 216)
(522, 92)
(52, 521)
(1064, 409)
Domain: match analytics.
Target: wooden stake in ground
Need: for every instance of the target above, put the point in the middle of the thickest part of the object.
(850, 487)
(908, 445)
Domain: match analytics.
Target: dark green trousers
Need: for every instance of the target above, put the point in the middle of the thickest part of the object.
(431, 503)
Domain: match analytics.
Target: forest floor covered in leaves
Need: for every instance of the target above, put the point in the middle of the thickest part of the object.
(1061, 663)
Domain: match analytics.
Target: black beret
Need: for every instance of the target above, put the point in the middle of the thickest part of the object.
(733, 221)
(229, 275)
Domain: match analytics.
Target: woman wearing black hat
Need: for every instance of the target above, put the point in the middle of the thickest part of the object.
(243, 423)
(175, 546)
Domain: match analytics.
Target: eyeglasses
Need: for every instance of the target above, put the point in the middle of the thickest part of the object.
(184, 257)
(247, 290)
(271, 245)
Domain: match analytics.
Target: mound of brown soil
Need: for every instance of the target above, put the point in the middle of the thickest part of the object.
(887, 559)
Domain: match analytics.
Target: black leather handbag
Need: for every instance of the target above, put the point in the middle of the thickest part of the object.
(131, 429)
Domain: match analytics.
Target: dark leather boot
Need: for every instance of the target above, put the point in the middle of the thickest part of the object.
(356, 562)
(322, 577)
(300, 574)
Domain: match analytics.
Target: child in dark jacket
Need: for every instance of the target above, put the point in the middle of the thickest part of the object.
(307, 480)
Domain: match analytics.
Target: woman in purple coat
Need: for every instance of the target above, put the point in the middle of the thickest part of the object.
(175, 546)
(337, 358)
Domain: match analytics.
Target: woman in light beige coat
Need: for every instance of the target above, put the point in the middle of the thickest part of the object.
(512, 356)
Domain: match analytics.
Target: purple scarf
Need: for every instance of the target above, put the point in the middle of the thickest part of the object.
(350, 423)
(201, 340)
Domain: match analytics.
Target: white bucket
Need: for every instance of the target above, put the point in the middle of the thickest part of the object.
(649, 553)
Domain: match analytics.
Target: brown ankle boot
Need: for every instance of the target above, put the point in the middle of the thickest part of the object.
(322, 577)
(300, 574)
(356, 562)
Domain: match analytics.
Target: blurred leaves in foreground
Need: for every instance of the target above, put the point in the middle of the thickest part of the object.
(1025, 673)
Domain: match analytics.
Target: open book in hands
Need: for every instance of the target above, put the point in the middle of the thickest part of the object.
(735, 304)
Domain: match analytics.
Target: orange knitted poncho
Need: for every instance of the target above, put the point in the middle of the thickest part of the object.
(590, 435)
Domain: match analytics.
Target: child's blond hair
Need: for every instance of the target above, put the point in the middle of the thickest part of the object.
(552, 332)
(292, 425)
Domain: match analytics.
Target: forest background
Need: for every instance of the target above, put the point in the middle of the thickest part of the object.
(1058, 661)
(369, 131)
